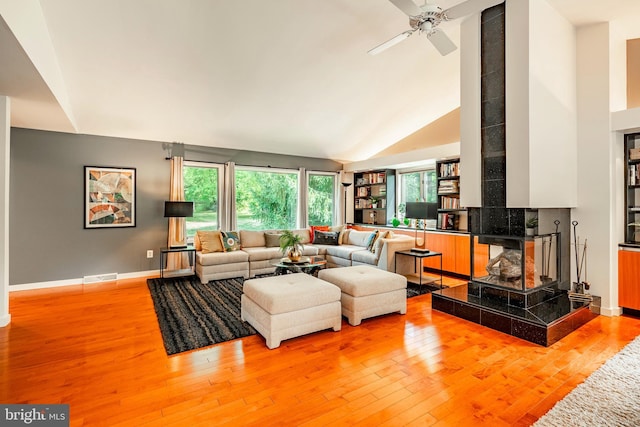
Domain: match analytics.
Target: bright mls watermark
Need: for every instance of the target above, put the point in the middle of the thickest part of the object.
(34, 415)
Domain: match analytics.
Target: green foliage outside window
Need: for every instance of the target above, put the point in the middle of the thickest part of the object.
(201, 187)
(321, 199)
(266, 200)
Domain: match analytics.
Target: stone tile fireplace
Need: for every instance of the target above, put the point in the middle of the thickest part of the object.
(518, 283)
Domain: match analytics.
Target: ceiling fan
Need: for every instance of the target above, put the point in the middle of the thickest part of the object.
(426, 18)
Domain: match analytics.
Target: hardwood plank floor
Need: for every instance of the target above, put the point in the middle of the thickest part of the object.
(98, 348)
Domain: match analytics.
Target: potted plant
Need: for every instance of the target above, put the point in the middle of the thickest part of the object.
(374, 202)
(531, 225)
(291, 245)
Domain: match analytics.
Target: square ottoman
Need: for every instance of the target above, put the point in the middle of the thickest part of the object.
(283, 307)
(368, 291)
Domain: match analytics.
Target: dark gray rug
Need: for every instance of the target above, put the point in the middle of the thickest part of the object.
(192, 315)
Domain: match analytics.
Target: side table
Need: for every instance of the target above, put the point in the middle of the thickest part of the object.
(191, 256)
(419, 256)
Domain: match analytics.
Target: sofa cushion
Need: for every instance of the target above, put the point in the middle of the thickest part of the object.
(326, 237)
(377, 247)
(264, 253)
(252, 239)
(272, 239)
(304, 233)
(341, 229)
(231, 241)
(365, 257)
(359, 238)
(342, 251)
(219, 258)
(209, 241)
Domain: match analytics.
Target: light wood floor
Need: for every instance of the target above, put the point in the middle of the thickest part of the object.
(98, 348)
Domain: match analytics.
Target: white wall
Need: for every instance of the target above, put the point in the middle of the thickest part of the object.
(470, 101)
(5, 126)
(540, 107)
(596, 208)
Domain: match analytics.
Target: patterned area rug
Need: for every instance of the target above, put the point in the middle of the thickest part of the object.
(192, 315)
(608, 397)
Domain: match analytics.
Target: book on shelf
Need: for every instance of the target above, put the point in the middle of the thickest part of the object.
(448, 186)
(449, 202)
(446, 221)
(449, 169)
(634, 177)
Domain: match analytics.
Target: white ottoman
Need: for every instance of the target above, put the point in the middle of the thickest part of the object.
(287, 306)
(368, 291)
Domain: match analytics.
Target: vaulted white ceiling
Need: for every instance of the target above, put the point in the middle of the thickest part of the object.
(282, 76)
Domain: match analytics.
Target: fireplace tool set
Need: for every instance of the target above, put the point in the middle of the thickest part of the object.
(578, 292)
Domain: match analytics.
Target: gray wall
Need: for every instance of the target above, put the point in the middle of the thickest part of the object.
(48, 241)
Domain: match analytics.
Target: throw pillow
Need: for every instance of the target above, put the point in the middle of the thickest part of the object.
(341, 230)
(326, 237)
(231, 241)
(196, 242)
(377, 246)
(319, 228)
(372, 240)
(273, 239)
(210, 241)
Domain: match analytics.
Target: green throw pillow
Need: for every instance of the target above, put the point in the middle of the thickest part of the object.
(231, 241)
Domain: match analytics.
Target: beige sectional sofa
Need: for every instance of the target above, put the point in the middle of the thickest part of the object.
(259, 252)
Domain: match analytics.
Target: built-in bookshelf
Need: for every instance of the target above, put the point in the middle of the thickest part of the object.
(451, 216)
(632, 184)
(374, 197)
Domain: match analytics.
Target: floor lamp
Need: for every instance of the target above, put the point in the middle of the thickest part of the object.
(345, 185)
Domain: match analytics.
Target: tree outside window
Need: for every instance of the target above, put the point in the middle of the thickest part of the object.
(321, 199)
(201, 186)
(266, 199)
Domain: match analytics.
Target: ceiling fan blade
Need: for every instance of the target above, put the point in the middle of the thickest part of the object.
(441, 42)
(407, 6)
(391, 42)
(468, 7)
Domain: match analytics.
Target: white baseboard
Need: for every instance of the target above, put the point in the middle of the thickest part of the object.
(610, 312)
(5, 320)
(78, 281)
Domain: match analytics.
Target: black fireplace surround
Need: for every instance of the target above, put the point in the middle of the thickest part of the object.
(532, 305)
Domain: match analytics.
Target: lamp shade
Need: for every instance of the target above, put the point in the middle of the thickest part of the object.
(422, 210)
(178, 209)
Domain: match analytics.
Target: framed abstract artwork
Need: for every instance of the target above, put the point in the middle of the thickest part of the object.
(109, 197)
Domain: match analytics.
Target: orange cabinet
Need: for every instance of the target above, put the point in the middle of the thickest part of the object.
(446, 245)
(629, 279)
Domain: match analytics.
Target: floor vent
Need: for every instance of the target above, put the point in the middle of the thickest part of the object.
(99, 278)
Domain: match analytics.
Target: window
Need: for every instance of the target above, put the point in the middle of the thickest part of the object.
(416, 186)
(321, 196)
(202, 186)
(266, 198)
